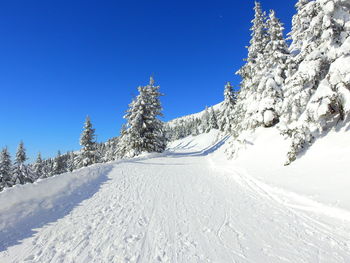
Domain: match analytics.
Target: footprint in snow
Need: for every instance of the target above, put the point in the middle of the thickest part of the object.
(131, 238)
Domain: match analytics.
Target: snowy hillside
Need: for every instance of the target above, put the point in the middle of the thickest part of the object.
(185, 205)
(199, 115)
(321, 172)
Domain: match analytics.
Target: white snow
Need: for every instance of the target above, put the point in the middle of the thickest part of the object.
(33, 205)
(186, 205)
(269, 116)
(321, 173)
(216, 107)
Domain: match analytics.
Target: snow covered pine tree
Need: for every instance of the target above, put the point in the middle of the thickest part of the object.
(205, 121)
(21, 173)
(71, 161)
(269, 92)
(213, 121)
(227, 116)
(155, 137)
(38, 167)
(247, 107)
(59, 164)
(143, 131)
(317, 92)
(87, 155)
(5, 169)
(263, 75)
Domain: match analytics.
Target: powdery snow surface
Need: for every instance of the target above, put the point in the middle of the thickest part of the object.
(26, 207)
(216, 107)
(321, 173)
(182, 206)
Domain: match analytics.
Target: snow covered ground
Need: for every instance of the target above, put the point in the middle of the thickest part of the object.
(186, 205)
(321, 173)
(199, 115)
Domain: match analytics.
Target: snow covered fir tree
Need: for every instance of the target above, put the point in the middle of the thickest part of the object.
(21, 171)
(302, 87)
(317, 92)
(226, 116)
(143, 131)
(247, 114)
(38, 167)
(88, 153)
(5, 169)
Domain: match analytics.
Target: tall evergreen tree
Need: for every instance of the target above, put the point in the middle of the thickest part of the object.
(38, 167)
(213, 121)
(276, 50)
(258, 39)
(227, 113)
(58, 164)
(49, 171)
(21, 155)
(5, 169)
(144, 131)
(20, 171)
(300, 23)
(155, 137)
(132, 138)
(269, 93)
(87, 155)
(317, 92)
(111, 152)
(251, 74)
(305, 70)
(71, 162)
(205, 121)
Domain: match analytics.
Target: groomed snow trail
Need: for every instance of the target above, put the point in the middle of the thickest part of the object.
(178, 208)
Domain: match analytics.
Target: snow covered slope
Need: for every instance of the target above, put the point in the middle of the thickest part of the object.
(30, 206)
(216, 107)
(181, 206)
(321, 173)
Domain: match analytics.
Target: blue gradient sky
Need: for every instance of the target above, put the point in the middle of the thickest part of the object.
(62, 60)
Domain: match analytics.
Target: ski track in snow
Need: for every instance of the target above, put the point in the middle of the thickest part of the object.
(180, 208)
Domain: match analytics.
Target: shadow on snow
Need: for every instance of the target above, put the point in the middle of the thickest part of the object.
(203, 152)
(61, 207)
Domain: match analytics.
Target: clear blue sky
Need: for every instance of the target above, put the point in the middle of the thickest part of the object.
(62, 60)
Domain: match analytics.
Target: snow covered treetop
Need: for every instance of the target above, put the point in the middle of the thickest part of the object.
(151, 81)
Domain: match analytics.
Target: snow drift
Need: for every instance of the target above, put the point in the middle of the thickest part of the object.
(30, 206)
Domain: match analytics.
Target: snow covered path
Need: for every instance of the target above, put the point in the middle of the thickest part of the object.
(178, 208)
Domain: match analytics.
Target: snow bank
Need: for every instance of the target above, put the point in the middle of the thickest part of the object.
(200, 142)
(321, 173)
(319, 180)
(216, 107)
(29, 206)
